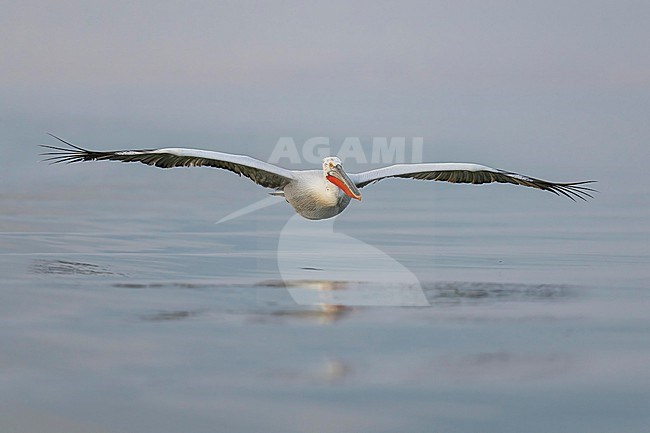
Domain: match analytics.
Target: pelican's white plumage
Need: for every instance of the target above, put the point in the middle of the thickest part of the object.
(315, 194)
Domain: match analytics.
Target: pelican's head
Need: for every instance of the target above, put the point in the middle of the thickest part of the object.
(333, 170)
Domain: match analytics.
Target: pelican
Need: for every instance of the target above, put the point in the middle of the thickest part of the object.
(314, 194)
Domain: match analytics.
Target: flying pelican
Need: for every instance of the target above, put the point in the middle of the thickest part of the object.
(314, 194)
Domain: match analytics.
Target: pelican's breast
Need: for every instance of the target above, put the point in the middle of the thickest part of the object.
(313, 197)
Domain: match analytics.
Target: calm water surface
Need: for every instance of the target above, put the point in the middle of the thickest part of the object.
(126, 309)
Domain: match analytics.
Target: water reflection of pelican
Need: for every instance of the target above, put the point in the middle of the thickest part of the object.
(322, 267)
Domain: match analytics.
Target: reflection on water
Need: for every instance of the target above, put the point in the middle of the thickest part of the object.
(64, 267)
(491, 366)
(118, 320)
(163, 316)
(335, 299)
(320, 313)
(326, 301)
(330, 371)
(458, 291)
(370, 275)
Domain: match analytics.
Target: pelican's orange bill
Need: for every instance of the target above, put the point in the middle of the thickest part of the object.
(338, 182)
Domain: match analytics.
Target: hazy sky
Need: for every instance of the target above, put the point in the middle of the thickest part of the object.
(550, 86)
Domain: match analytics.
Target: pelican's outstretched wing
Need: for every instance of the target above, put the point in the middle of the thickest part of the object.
(262, 173)
(470, 173)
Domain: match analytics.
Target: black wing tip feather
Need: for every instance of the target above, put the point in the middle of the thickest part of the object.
(81, 149)
(572, 190)
(68, 155)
